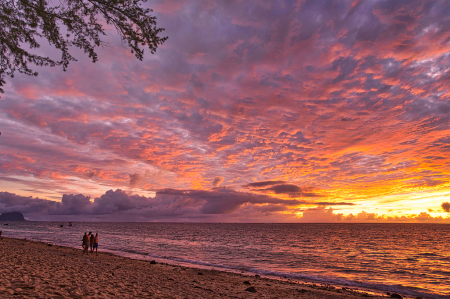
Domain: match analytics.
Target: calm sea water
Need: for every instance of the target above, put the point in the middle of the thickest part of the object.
(411, 259)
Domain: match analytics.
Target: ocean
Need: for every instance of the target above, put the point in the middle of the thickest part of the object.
(410, 259)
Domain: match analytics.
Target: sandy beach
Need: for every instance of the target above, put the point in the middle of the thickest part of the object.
(39, 270)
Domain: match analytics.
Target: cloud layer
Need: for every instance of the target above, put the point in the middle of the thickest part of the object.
(332, 102)
(168, 204)
(218, 205)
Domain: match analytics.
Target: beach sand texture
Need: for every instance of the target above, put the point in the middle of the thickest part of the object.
(36, 270)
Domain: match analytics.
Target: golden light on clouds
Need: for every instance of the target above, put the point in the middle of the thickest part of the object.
(302, 120)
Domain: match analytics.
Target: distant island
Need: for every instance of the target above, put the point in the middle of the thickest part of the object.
(12, 216)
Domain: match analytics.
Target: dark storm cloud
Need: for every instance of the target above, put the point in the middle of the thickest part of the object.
(292, 190)
(166, 202)
(217, 181)
(224, 200)
(135, 179)
(280, 187)
(446, 207)
(69, 205)
(119, 201)
(74, 204)
(10, 202)
(263, 184)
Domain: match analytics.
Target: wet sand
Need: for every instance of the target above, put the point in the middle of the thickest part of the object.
(37, 270)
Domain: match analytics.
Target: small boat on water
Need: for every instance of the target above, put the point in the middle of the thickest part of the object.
(62, 225)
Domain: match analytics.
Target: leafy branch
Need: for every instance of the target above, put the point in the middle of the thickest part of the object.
(70, 23)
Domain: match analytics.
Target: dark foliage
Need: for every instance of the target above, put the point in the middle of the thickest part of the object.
(66, 23)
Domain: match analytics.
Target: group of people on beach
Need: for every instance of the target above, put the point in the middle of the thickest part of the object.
(90, 241)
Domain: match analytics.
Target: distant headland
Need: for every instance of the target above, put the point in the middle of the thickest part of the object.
(12, 216)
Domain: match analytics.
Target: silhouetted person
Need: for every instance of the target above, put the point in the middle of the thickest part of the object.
(96, 243)
(85, 243)
(91, 243)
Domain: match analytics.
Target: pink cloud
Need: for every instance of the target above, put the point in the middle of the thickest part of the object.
(349, 98)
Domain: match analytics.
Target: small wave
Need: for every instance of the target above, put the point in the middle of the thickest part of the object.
(314, 257)
(355, 271)
(134, 251)
(415, 292)
(428, 254)
(397, 271)
(441, 272)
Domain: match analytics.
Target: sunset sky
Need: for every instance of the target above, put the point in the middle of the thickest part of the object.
(251, 111)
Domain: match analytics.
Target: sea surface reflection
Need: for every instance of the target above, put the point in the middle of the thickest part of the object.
(412, 259)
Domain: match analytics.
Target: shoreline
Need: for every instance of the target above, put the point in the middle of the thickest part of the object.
(35, 269)
(285, 277)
